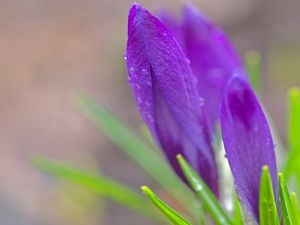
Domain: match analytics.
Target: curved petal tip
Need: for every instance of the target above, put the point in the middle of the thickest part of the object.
(247, 140)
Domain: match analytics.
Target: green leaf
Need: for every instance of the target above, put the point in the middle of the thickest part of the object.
(170, 213)
(210, 202)
(105, 187)
(129, 142)
(218, 139)
(253, 64)
(294, 117)
(285, 202)
(268, 214)
(291, 165)
(295, 208)
(237, 213)
(136, 149)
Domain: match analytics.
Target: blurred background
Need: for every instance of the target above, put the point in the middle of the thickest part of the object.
(51, 49)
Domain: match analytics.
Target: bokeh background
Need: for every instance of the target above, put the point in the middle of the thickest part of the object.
(50, 49)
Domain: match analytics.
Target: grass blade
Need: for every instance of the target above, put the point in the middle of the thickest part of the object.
(237, 213)
(285, 202)
(129, 142)
(170, 213)
(210, 202)
(295, 208)
(293, 115)
(253, 64)
(136, 149)
(268, 214)
(105, 187)
(293, 133)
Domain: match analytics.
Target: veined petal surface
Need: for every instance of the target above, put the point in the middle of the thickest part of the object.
(248, 142)
(166, 94)
(213, 58)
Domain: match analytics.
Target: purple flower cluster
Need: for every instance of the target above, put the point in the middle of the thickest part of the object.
(185, 77)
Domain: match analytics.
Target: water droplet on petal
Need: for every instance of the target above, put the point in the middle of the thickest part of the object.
(144, 72)
(201, 101)
(150, 118)
(138, 87)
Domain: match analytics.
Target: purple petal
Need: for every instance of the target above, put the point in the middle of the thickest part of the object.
(213, 58)
(163, 86)
(173, 24)
(247, 140)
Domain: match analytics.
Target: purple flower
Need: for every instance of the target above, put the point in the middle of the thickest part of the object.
(248, 142)
(167, 94)
(213, 58)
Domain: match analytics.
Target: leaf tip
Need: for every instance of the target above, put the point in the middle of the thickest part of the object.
(36, 160)
(265, 168)
(253, 57)
(179, 157)
(294, 92)
(281, 177)
(146, 190)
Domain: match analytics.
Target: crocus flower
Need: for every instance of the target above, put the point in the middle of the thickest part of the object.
(212, 56)
(248, 142)
(167, 95)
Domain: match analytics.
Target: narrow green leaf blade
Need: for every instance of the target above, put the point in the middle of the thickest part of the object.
(136, 149)
(294, 115)
(129, 142)
(210, 202)
(285, 202)
(170, 213)
(293, 133)
(268, 214)
(295, 208)
(105, 187)
(237, 213)
(253, 64)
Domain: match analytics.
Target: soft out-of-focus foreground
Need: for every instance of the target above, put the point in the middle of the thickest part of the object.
(51, 49)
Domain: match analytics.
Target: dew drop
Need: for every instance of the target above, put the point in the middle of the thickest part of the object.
(144, 72)
(201, 101)
(138, 87)
(150, 118)
(149, 83)
(187, 61)
(198, 188)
